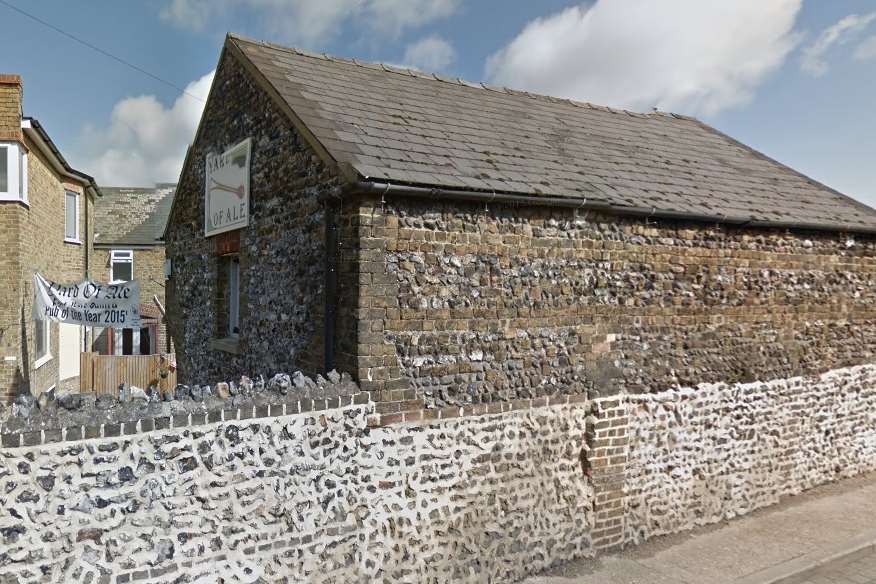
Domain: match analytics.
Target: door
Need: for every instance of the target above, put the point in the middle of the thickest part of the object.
(69, 347)
(131, 342)
(146, 341)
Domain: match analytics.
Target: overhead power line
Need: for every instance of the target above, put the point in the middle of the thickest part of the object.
(98, 49)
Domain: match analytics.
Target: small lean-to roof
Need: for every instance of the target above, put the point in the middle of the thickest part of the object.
(409, 128)
(132, 216)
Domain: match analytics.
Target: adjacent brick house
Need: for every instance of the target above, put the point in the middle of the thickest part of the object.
(46, 226)
(449, 243)
(129, 223)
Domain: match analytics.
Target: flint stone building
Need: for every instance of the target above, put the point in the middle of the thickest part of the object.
(450, 243)
(129, 225)
(577, 328)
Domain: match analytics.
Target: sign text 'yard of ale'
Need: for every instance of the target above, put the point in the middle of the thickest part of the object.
(87, 303)
(226, 206)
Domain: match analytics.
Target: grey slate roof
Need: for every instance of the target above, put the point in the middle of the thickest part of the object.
(132, 216)
(400, 126)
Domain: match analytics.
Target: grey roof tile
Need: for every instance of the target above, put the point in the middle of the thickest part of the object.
(406, 126)
(132, 216)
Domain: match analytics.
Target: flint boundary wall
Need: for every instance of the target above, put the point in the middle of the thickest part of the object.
(337, 494)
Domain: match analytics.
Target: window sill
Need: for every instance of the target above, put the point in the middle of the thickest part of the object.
(73, 241)
(13, 199)
(42, 361)
(227, 344)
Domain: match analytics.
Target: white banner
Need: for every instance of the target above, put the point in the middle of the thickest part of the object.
(226, 204)
(87, 303)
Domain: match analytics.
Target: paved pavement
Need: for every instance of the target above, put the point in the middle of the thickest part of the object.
(856, 568)
(812, 531)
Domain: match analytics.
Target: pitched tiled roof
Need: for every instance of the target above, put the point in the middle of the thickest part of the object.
(132, 216)
(401, 126)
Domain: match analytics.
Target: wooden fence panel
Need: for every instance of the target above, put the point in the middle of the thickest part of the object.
(104, 373)
(86, 372)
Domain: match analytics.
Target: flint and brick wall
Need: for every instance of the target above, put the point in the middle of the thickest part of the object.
(697, 456)
(478, 304)
(311, 497)
(338, 495)
(282, 254)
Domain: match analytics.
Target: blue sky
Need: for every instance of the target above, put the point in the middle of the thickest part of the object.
(794, 78)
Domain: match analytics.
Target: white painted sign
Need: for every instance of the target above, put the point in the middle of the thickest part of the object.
(226, 204)
(87, 303)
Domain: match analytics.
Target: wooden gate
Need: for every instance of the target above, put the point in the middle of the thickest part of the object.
(104, 373)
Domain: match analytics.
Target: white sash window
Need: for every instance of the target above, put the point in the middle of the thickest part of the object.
(121, 266)
(13, 172)
(71, 219)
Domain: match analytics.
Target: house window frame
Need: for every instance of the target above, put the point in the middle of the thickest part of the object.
(77, 196)
(228, 308)
(16, 172)
(44, 326)
(121, 256)
(234, 297)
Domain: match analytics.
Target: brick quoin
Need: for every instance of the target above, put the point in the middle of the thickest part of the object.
(605, 463)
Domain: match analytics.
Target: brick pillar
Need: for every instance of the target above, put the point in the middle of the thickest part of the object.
(606, 463)
(368, 301)
(10, 108)
(346, 325)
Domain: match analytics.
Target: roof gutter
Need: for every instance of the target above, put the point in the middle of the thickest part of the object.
(392, 189)
(39, 135)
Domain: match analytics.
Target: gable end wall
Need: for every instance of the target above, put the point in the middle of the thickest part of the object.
(282, 253)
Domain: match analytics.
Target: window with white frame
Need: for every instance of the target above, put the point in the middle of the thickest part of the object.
(71, 217)
(13, 172)
(4, 168)
(41, 341)
(121, 266)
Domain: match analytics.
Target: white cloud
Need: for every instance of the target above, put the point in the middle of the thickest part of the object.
(193, 13)
(867, 49)
(430, 54)
(814, 61)
(312, 22)
(397, 15)
(145, 142)
(683, 55)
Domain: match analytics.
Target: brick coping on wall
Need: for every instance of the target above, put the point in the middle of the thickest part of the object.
(431, 415)
(76, 433)
(176, 421)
